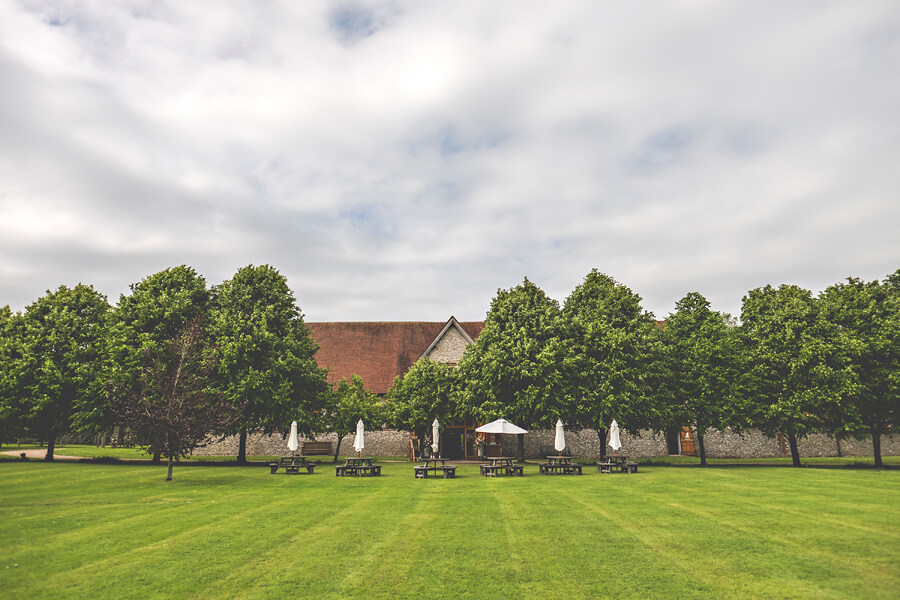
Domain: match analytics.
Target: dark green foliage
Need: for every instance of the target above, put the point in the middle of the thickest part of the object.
(149, 320)
(515, 368)
(615, 368)
(172, 404)
(347, 404)
(11, 411)
(794, 381)
(700, 349)
(865, 318)
(267, 364)
(61, 342)
(426, 392)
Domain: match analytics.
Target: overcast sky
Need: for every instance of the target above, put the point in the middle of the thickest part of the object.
(404, 160)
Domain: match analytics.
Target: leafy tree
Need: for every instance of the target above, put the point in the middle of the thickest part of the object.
(62, 346)
(702, 357)
(10, 401)
(514, 369)
(348, 403)
(427, 391)
(148, 320)
(791, 360)
(268, 364)
(866, 316)
(173, 407)
(615, 368)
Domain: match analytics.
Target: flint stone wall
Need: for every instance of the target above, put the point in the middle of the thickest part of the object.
(582, 444)
(388, 442)
(585, 444)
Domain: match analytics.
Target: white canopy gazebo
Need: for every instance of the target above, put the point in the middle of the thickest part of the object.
(501, 426)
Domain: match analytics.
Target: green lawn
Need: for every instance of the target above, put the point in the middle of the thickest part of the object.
(96, 531)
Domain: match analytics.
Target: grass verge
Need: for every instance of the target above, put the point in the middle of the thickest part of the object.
(74, 530)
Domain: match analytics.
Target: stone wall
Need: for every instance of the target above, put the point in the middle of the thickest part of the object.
(378, 443)
(753, 444)
(582, 444)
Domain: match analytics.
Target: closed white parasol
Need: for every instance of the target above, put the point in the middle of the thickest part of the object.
(560, 442)
(501, 426)
(435, 435)
(614, 442)
(359, 443)
(292, 439)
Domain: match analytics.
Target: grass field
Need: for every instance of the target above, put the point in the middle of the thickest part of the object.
(73, 530)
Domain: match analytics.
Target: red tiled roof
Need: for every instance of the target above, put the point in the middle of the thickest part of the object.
(376, 351)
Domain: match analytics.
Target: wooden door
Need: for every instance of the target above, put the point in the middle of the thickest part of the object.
(687, 442)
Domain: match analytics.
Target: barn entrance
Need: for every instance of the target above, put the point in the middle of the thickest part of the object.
(687, 442)
(458, 441)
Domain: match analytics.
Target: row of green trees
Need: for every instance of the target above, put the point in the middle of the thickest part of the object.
(176, 360)
(796, 364)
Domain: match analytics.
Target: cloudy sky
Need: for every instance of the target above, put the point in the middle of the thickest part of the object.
(404, 160)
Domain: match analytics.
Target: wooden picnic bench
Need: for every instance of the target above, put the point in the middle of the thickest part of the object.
(494, 469)
(292, 465)
(358, 470)
(421, 471)
(623, 466)
(315, 448)
(556, 469)
(559, 465)
(360, 467)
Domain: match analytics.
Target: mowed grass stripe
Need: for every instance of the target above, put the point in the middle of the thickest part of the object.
(155, 519)
(736, 563)
(766, 535)
(241, 533)
(195, 542)
(648, 551)
(303, 553)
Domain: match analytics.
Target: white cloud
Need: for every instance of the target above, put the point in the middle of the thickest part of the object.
(404, 160)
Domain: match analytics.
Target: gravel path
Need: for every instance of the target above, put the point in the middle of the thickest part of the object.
(38, 453)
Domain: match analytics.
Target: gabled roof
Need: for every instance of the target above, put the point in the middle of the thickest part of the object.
(378, 351)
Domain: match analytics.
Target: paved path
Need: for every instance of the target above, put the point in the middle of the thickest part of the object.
(38, 453)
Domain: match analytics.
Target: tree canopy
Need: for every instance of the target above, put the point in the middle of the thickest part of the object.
(513, 368)
(793, 382)
(349, 402)
(172, 404)
(267, 357)
(866, 318)
(702, 368)
(614, 366)
(149, 319)
(427, 391)
(58, 374)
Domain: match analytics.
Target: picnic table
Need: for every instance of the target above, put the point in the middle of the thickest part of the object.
(292, 465)
(559, 465)
(501, 465)
(431, 464)
(360, 467)
(616, 463)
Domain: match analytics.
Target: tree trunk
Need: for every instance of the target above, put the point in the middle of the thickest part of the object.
(169, 474)
(157, 455)
(702, 450)
(795, 452)
(242, 447)
(51, 445)
(601, 434)
(337, 447)
(521, 447)
(837, 441)
(876, 447)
